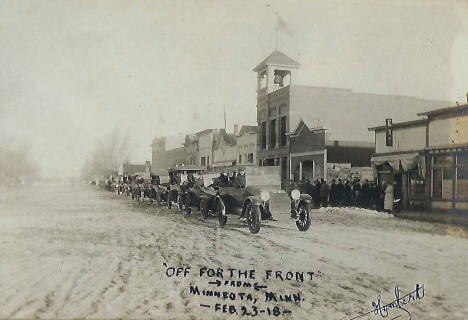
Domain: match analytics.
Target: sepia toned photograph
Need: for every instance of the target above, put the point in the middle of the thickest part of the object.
(261, 159)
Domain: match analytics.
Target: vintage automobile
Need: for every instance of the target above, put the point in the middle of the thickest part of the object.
(256, 195)
(182, 190)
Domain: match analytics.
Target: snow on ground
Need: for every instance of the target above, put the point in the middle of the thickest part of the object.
(354, 211)
(74, 251)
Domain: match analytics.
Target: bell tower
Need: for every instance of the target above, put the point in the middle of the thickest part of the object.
(274, 72)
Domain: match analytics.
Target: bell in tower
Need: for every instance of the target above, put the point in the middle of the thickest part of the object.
(274, 72)
(278, 80)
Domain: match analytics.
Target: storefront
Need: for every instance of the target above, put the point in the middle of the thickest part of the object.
(449, 178)
(430, 158)
(407, 171)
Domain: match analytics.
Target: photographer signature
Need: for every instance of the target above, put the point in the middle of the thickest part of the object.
(400, 302)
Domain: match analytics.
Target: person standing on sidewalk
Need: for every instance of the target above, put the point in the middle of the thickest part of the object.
(316, 196)
(324, 193)
(388, 200)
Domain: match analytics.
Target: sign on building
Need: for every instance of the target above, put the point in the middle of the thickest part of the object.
(388, 133)
(338, 171)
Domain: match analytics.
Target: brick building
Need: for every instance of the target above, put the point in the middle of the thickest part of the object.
(340, 115)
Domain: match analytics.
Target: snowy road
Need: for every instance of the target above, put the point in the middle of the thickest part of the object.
(80, 252)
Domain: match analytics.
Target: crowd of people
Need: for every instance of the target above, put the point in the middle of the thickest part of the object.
(350, 194)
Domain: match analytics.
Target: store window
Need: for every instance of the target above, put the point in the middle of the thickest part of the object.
(273, 133)
(263, 136)
(442, 174)
(416, 186)
(462, 176)
(283, 123)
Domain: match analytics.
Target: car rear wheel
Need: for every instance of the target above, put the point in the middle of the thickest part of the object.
(158, 198)
(180, 204)
(303, 219)
(204, 208)
(221, 211)
(253, 218)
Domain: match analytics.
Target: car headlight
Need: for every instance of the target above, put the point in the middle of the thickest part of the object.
(295, 194)
(265, 196)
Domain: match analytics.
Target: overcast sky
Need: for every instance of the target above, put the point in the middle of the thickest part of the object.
(73, 71)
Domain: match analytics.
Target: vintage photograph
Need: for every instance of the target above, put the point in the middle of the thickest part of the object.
(261, 159)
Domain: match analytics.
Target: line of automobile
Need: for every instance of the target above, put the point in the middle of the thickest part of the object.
(253, 193)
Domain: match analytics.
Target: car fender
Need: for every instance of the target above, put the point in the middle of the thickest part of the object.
(254, 200)
(210, 201)
(217, 200)
(305, 197)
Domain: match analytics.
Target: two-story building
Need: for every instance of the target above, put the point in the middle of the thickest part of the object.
(206, 140)
(247, 145)
(426, 158)
(342, 115)
(224, 150)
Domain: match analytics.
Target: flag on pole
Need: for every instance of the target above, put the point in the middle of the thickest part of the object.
(283, 26)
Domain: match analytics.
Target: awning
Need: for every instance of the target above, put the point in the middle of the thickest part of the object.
(408, 161)
(222, 164)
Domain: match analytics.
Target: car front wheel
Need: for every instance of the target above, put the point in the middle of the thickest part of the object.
(253, 218)
(303, 217)
(221, 211)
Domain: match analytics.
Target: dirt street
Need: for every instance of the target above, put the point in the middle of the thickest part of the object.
(75, 251)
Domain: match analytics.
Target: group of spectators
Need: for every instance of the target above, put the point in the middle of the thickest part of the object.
(345, 194)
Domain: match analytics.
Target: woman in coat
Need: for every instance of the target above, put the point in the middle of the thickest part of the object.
(388, 200)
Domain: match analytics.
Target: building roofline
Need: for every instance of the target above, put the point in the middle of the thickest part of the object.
(345, 143)
(369, 93)
(400, 124)
(459, 108)
(272, 58)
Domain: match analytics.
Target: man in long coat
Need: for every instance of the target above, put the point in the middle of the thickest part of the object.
(324, 193)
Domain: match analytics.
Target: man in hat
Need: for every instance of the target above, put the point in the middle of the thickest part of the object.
(324, 192)
(339, 193)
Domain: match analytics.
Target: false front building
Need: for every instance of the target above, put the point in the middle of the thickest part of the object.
(309, 131)
(427, 159)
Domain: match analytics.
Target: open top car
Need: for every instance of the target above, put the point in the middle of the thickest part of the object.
(182, 180)
(255, 194)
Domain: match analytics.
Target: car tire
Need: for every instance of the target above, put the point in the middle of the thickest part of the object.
(253, 218)
(204, 208)
(221, 212)
(303, 220)
(180, 204)
(158, 198)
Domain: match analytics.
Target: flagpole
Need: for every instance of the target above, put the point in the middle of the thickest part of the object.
(224, 117)
(276, 29)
